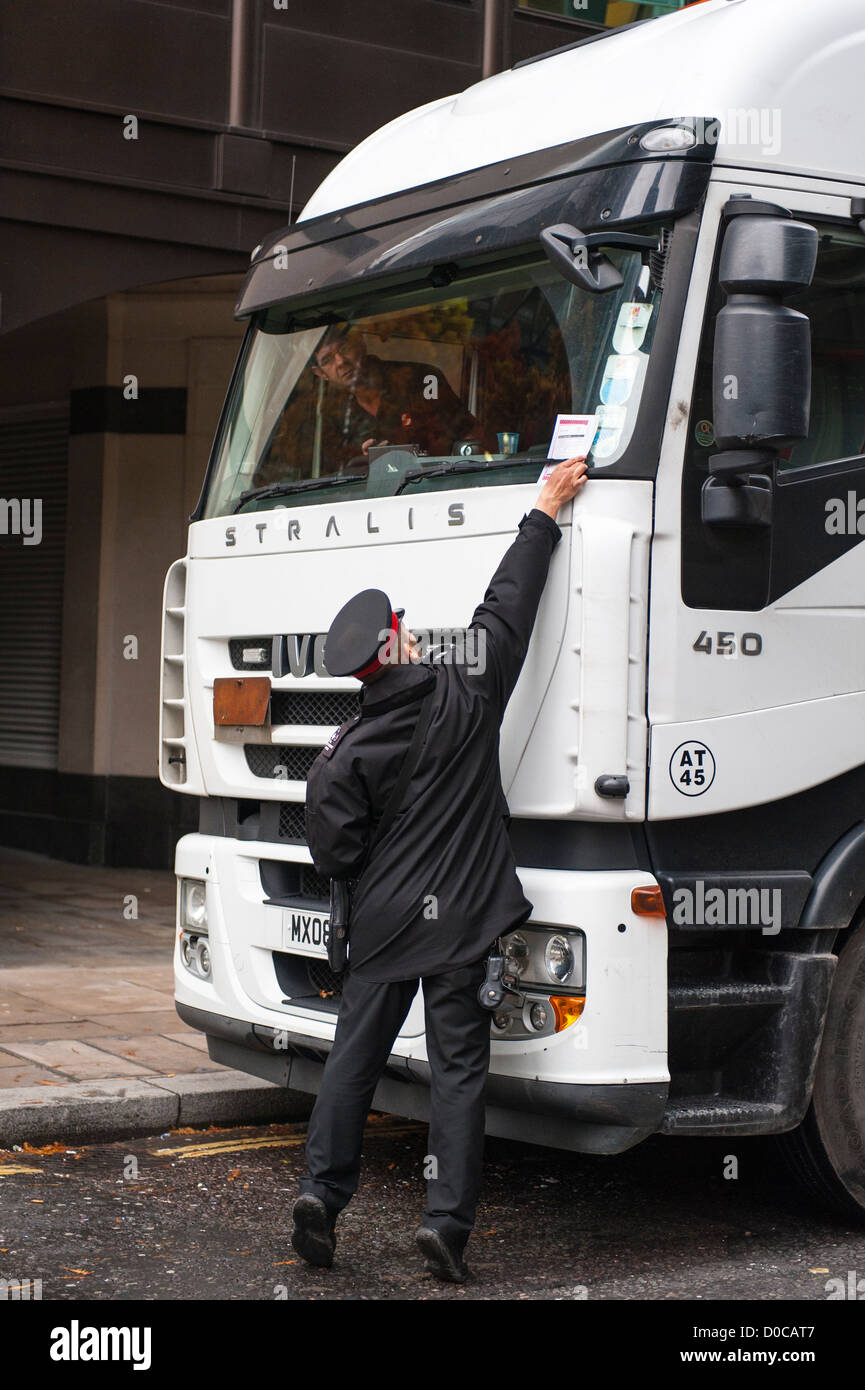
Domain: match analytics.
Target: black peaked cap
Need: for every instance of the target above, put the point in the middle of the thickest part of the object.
(354, 638)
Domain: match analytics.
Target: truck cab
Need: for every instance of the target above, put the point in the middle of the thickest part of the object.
(682, 756)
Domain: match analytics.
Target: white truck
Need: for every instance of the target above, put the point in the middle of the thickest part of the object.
(663, 230)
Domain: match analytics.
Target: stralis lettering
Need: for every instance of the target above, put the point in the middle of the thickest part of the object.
(295, 530)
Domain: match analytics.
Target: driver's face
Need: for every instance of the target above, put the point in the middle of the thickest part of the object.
(340, 362)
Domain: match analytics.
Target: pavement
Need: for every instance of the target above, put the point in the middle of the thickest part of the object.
(90, 1043)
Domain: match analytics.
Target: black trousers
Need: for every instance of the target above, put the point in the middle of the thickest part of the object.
(458, 1047)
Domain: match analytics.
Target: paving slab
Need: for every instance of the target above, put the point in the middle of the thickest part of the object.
(158, 1054)
(87, 1000)
(90, 1042)
(47, 1032)
(162, 1020)
(20, 1072)
(18, 1008)
(191, 1038)
(79, 1061)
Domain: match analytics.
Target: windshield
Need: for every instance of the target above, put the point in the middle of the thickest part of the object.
(455, 383)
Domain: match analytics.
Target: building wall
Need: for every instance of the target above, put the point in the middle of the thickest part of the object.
(146, 146)
(135, 469)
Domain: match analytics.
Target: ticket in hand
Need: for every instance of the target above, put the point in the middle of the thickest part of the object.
(572, 438)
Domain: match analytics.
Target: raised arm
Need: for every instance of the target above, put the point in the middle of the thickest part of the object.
(510, 605)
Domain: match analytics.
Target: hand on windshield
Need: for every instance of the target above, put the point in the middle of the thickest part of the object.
(562, 485)
(369, 443)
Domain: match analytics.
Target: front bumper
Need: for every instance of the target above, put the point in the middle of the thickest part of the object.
(582, 1117)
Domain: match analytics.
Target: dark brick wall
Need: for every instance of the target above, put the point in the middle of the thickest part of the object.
(125, 822)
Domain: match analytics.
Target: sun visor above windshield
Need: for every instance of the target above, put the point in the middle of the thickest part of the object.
(411, 234)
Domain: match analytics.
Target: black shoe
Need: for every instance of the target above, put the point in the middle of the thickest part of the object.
(313, 1236)
(443, 1258)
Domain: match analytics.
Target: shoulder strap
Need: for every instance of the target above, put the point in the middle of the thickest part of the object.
(410, 761)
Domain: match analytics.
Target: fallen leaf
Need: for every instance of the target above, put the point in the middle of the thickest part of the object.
(235, 1173)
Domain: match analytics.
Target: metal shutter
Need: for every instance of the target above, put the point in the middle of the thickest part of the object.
(33, 464)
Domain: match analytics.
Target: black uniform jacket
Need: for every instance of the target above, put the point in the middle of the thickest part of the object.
(441, 884)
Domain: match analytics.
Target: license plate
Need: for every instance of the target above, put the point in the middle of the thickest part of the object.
(305, 933)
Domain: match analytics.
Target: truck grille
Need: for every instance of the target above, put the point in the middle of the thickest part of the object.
(309, 983)
(313, 707)
(313, 885)
(323, 980)
(292, 821)
(284, 761)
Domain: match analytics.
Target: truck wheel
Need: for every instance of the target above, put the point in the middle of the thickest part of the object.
(826, 1153)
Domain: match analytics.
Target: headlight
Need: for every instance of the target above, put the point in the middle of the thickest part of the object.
(547, 958)
(558, 959)
(193, 904)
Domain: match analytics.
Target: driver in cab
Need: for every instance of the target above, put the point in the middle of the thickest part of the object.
(390, 402)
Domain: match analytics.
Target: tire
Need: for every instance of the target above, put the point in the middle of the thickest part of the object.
(826, 1154)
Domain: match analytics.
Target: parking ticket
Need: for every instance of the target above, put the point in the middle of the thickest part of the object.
(572, 438)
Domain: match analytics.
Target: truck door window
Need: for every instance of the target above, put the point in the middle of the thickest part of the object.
(735, 568)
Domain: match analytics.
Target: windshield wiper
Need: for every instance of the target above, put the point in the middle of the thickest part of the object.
(285, 489)
(461, 466)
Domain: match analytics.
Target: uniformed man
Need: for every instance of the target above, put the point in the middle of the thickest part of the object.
(439, 887)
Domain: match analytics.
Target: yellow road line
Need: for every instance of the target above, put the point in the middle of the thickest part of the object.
(225, 1146)
(8, 1169)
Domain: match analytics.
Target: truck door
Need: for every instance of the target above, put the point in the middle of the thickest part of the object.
(757, 632)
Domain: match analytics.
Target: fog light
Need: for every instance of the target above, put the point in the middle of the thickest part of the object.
(538, 1015)
(195, 954)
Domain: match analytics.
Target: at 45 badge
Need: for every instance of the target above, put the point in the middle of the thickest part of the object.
(692, 768)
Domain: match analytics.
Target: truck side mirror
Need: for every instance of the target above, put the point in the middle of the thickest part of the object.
(761, 361)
